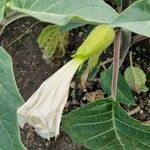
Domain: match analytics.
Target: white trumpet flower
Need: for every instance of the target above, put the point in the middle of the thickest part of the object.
(44, 108)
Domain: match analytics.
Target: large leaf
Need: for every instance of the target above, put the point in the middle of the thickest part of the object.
(2, 9)
(10, 100)
(136, 18)
(62, 11)
(104, 125)
(124, 94)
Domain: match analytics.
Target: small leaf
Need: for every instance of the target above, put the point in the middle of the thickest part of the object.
(10, 100)
(136, 79)
(124, 94)
(104, 125)
(53, 42)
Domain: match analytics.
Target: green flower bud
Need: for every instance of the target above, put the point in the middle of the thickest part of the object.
(97, 41)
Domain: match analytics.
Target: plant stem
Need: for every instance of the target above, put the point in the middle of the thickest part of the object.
(17, 39)
(120, 7)
(117, 45)
(138, 38)
(131, 63)
(135, 39)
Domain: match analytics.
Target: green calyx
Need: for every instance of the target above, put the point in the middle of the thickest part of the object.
(97, 41)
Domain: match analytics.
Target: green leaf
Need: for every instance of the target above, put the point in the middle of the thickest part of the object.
(136, 79)
(124, 94)
(135, 18)
(63, 11)
(10, 100)
(53, 42)
(2, 9)
(70, 26)
(104, 125)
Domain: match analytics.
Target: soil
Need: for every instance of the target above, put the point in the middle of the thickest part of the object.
(31, 70)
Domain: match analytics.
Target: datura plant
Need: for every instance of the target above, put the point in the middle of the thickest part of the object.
(44, 108)
(102, 124)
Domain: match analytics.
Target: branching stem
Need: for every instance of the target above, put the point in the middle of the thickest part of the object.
(135, 39)
(17, 39)
(116, 59)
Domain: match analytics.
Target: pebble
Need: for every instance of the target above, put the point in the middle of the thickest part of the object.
(141, 111)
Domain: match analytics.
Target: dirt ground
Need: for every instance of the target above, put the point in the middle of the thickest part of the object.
(31, 70)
